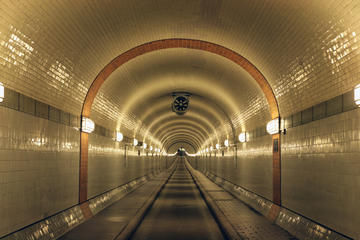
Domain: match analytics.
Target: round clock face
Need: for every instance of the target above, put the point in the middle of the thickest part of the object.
(180, 104)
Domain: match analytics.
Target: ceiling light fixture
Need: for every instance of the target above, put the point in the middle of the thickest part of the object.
(356, 95)
(273, 127)
(242, 137)
(119, 136)
(87, 125)
(2, 92)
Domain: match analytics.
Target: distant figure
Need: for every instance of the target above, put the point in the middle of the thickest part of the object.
(181, 152)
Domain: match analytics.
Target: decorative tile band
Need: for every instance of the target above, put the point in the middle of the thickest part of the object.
(19, 102)
(297, 225)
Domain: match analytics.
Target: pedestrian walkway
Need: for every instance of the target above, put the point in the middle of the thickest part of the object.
(110, 222)
(248, 223)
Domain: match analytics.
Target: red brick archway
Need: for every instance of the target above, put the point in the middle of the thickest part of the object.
(180, 43)
(166, 44)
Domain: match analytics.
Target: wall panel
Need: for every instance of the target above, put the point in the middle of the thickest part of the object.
(251, 168)
(39, 168)
(321, 171)
(108, 168)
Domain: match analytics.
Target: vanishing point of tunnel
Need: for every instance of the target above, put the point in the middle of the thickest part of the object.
(179, 119)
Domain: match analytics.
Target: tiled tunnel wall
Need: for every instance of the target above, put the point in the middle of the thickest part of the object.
(109, 166)
(39, 158)
(320, 170)
(39, 167)
(251, 168)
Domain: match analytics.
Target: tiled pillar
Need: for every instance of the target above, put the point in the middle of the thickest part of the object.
(83, 175)
(276, 169)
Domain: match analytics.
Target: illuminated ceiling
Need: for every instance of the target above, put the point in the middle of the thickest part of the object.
(307, 50)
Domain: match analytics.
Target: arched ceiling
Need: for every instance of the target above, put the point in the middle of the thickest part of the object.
(224, 97)
(181, 144)
(307, 50)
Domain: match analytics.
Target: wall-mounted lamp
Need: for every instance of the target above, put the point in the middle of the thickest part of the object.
(144, 145)
(217, 146)
(242, 137)
(2, 92)
(273, 127)
(135, 142)
(357, 95)
(87, 125)
(226, 143)
(119, 136)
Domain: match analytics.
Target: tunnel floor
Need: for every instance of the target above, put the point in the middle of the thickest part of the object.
(179, 212)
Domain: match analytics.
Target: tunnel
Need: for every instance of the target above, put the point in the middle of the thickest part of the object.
(188, 119)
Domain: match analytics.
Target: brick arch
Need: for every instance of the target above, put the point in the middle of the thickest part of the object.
(167, 44)
(180, 43)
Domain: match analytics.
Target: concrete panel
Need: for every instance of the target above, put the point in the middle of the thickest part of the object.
(321, 171)
(334, 106)
(306, 115)
(297, 119)
(42, 110)
(27, 105)
(39, 166)
(54, 114)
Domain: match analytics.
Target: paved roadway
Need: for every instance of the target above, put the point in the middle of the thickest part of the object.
(179, 212)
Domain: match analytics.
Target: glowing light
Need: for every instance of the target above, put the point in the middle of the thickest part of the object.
(217, 146)
(2, 92)
(144, 145)
(357, 95)
(151, 148)
(135, 142)
(211, 148)
(242, 137)
(273, 126)
(119, 136)
(87, 125)
(226, 143)
(207, 149)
